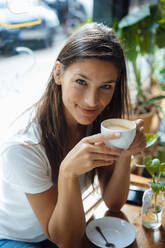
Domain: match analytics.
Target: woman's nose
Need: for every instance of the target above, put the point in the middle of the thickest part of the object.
(91, 99)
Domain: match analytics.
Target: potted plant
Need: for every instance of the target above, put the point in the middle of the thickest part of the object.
(153, 197)
(142, 33)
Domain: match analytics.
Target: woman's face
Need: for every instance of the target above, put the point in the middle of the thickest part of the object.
(87, 88)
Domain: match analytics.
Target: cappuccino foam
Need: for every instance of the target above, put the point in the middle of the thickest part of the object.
(117, 127)
(126, 128)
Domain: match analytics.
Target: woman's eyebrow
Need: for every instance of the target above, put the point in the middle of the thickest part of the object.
(109, 82)
(106, 82)
(84, 76)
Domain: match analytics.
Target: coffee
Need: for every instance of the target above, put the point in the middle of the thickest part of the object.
(117, 127)
(126, 128)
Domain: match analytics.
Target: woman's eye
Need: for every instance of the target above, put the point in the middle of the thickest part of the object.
(81, 82)
(106, 86)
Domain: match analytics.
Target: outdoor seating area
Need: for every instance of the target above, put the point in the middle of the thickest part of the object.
(82, 131)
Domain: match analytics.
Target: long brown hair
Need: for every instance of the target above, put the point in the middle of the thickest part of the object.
(90, 41)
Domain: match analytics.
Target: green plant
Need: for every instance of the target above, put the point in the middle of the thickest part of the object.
(142, 33)
(154, 166)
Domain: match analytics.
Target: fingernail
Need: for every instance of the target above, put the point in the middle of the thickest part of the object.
(117, 134)
(138, 121)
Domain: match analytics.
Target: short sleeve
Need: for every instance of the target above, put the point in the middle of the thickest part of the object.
(24, 168)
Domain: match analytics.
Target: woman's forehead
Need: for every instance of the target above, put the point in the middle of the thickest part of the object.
(92, 67)
(91, 63)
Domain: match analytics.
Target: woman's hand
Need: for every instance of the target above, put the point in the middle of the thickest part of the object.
(139, 142)
(90, 153)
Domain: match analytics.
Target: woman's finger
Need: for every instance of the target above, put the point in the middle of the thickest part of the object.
(92, 148)
(141, 129)
(139, 144)
(99, 163)
(99, 143)
(110, 150)
(104, 157)
(100, 137)
(139, 123)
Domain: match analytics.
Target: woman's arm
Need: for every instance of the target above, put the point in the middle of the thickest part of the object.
(61, 215)
(60, 212)
(115, 180)
(69, 213)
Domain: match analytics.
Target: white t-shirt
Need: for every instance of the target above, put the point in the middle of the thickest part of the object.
(24, 168)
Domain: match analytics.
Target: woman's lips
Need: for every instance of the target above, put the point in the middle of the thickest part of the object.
(87, 110)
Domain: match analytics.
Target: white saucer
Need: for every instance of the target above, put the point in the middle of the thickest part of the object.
(116, 230)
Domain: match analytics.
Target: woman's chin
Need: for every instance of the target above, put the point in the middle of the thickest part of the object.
(85, 121)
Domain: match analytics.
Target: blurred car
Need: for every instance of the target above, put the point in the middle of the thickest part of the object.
(31, 36)
(71, 13)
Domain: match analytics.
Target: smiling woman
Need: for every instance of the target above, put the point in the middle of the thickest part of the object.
(91, 83)
(48, 164)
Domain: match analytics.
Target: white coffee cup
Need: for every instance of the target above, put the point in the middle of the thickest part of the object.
(126, 128)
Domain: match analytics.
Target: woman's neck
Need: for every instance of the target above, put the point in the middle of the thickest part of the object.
(75, 134)
(77, 131)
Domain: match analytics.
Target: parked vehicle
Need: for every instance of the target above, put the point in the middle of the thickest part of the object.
(32, 36)
(70, 12)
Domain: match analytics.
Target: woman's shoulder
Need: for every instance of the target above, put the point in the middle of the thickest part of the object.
(26, 139)
(24, 151)
(24, 162)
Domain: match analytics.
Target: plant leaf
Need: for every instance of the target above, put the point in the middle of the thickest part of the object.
(162, 167)
(160, 35)
(134, 18)
(148, 161)
(162, 71)
(153, 100)
(156, 162)
(130, 39)
(151, 138)
(152, 170)
(162, 184)
(152, 165)
(155, 187)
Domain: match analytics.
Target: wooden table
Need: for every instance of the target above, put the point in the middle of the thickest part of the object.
(145, 238)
